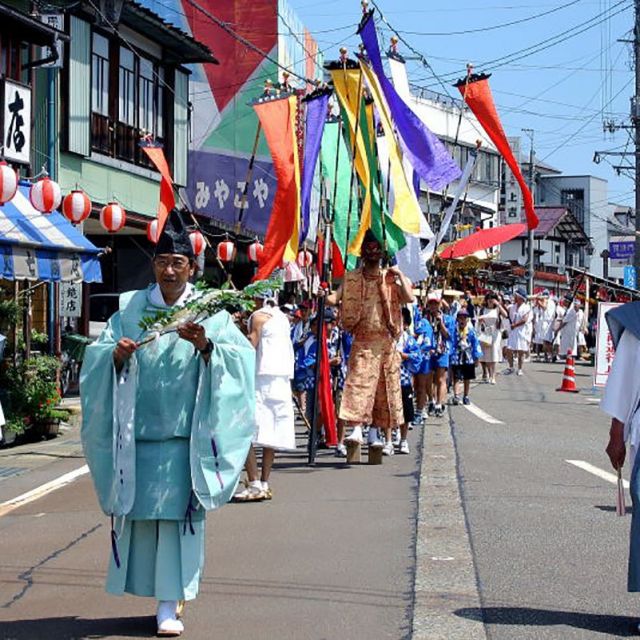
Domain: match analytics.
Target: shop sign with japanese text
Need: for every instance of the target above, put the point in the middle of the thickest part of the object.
(16, 121)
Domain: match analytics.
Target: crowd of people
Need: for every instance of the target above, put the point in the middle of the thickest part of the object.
(443, 340)
(168, 428)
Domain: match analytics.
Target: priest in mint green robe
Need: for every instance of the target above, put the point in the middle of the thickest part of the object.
(166, 430)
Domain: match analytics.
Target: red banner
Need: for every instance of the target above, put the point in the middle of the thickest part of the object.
(167, 197)
(477, 95)
(325, 394)
(279, 130)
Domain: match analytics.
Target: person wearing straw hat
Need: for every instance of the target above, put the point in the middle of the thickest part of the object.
(166, 429)
(621, 401)
(519, 339)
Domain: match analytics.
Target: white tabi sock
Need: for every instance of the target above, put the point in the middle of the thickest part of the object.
(166, 618)
(373, 434)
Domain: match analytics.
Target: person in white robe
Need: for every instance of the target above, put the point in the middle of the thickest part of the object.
(621, 402)
(274, 418)
(569, 329)
(519, 341)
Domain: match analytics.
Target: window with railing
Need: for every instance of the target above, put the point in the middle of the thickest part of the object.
(127, 100)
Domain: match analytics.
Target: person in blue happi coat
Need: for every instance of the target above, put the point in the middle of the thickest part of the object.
(465, 353)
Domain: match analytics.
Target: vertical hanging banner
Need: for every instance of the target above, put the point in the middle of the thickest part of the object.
(476, 93)
(316, 115)
(427, 154)
(406, 210)
(277, 118)
(347, 83)
(167, 201)
(336, 171)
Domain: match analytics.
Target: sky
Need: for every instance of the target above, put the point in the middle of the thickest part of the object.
(557, 66)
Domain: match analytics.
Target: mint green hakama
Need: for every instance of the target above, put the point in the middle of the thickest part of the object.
(158, 559)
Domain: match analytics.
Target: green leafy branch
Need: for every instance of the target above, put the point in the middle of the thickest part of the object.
(208, 302)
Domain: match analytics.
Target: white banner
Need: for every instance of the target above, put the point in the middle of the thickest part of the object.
(604, 345)
(16, 121)
(430, 249)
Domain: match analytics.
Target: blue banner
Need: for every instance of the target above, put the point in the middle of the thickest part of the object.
(630, 277)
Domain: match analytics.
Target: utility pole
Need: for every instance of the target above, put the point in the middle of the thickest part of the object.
(531, 260)
(635, 119)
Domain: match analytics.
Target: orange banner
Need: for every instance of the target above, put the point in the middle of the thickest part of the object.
(167, 197)
(278, 123)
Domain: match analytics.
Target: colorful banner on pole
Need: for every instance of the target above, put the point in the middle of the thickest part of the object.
(316, 117)
(476, 93)
(278, 123)
(427, 154)
(167, 200)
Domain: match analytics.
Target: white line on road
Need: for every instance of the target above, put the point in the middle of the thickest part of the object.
(42, 490)
(605, 475)
(483, 415)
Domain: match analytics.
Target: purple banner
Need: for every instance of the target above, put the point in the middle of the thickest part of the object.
(316, 116)
(427, 154)
(216, 183)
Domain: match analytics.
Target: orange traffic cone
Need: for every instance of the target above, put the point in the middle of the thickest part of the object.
(569, 376)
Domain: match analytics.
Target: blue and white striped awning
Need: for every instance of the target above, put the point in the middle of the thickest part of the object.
(34, 246)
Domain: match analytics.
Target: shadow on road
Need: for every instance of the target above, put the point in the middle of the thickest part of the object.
(71, 628)
(616, 626)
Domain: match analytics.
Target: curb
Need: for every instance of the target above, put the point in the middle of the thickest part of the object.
(445, 577)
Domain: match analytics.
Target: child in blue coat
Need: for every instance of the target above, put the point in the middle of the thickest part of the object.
(465, 353)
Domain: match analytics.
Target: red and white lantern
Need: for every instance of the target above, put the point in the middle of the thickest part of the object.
(113, 217)
(197, 242)
(152, 231)
(226, 251)
(255, 251)
(304, 259)
(45, 195)
(8, 182)
(76, 206)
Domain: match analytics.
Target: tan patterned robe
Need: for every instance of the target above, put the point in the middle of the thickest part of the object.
(371, 312)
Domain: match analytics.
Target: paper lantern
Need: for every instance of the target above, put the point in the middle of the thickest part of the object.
(45, 195)
(304, 259)
(8, 182)
(226, 251)
(152, 231)
(76, 206)
(197, 242)
(113, 217)
(255, 251)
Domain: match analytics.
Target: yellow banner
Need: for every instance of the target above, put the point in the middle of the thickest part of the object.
(291, 250)
(406, 209)
(348, 88)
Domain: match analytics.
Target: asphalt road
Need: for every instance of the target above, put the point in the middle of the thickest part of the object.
(332, 556)
(549, 551)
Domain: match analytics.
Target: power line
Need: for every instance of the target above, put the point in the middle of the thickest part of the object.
(495, 26)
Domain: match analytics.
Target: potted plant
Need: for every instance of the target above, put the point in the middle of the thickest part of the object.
(33, 395)
(13, 428)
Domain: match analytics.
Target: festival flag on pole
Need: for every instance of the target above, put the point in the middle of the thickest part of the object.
(348, 87)
(325, 395)
(476, 93)
(167, 197)
(336, 171)
(277, 118)
(427, 154)
(406, 209)
(316, 116)
(388, 233)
